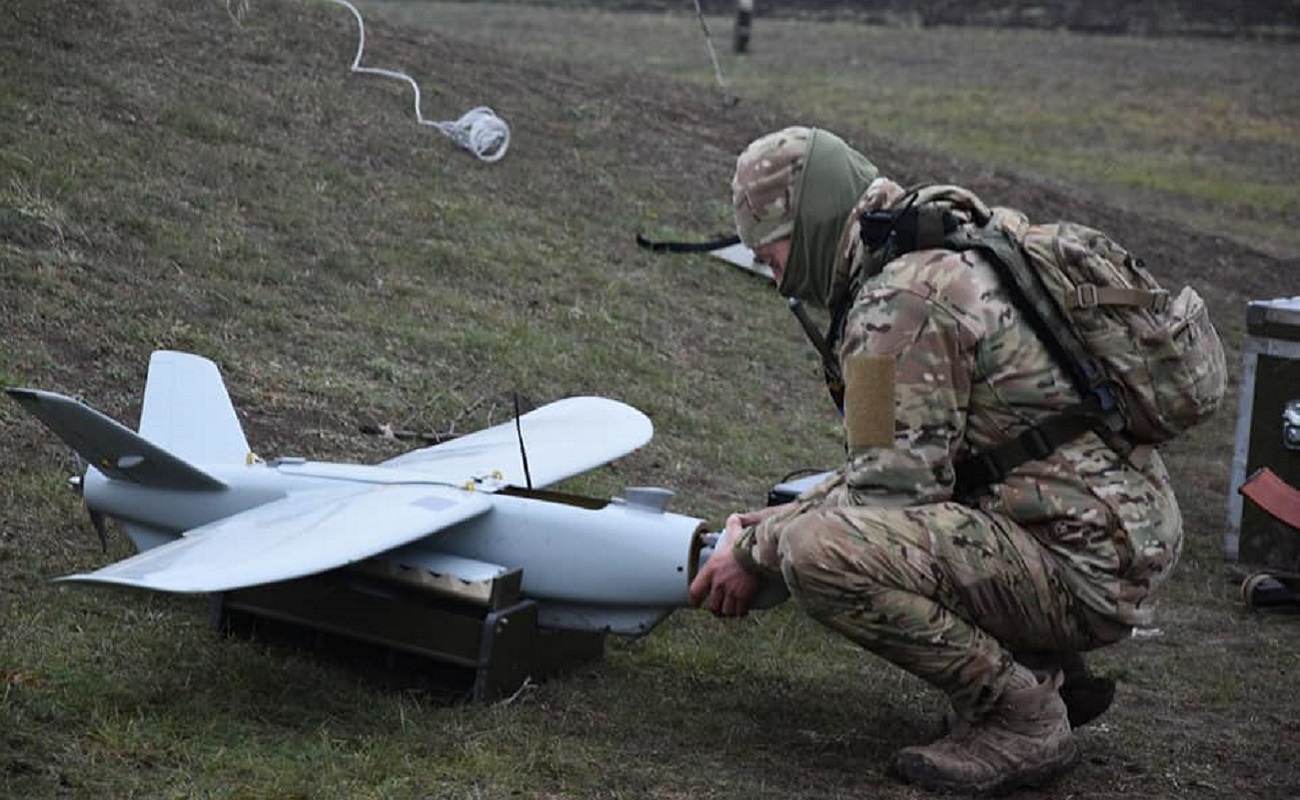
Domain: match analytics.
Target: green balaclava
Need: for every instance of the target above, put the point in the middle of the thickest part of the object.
(800, 182)
(835, 177)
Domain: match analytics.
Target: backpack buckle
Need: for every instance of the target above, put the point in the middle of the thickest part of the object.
(875, 228)
(1159, 302)
(1085, 294)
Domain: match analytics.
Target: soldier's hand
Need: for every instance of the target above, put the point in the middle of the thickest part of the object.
(727, 586)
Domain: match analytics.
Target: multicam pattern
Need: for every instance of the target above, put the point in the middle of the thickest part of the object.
(765, 188)
(1062, 555)
(1166, 352)
(942, 590)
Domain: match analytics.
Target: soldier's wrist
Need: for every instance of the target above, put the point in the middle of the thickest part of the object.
(743, 551)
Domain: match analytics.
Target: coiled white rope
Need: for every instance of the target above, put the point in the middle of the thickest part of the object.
(479, 130)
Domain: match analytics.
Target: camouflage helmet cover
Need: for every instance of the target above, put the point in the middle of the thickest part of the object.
(765, 188)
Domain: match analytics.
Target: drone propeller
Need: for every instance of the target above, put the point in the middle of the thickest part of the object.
(77, 483)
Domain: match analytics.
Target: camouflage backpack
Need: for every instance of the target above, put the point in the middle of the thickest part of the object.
(1147, 365)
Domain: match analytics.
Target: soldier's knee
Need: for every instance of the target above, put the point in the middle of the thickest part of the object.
(802, 541)
(825, 560)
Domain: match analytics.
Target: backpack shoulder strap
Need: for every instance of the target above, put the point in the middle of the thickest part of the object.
(1099, 409)
(1025, 287)
(925, 220)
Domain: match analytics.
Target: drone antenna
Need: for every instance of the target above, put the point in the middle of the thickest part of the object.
(523, 454)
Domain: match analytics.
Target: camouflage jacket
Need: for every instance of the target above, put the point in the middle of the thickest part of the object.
(970, 374)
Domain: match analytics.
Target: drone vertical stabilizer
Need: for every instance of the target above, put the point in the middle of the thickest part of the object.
(187, 410)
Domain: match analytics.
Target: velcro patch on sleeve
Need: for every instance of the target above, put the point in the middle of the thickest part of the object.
(869, 400)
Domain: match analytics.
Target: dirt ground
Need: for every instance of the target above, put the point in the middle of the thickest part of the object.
(152, 194)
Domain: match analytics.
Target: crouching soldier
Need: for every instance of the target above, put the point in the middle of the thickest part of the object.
(991, 595)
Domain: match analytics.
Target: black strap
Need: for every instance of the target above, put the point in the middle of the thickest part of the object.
(911, 228)
(826, 349)
(686, 247)
(976, 473)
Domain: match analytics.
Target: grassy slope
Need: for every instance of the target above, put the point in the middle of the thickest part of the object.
(1200, 132)
(173, 177)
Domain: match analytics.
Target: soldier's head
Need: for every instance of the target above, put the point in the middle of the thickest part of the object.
(792, 193)
(765, 188)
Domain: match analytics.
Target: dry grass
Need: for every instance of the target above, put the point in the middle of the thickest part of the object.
(172, 175)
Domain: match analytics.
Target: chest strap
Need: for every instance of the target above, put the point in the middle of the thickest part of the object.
(978, 472)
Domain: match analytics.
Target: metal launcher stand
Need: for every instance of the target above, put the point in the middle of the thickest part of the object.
(405, 624)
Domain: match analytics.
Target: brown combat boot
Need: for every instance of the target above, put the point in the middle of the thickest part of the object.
(1024, 740)
(1086, 696)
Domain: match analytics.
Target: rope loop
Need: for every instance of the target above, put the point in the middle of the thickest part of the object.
(479, 130)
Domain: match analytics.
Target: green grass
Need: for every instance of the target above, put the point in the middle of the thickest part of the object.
(173, 177)
(1170, 126)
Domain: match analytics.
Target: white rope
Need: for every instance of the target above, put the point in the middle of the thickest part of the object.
(479, 130)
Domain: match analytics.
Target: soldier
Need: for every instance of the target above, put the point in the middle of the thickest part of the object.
(986, 599)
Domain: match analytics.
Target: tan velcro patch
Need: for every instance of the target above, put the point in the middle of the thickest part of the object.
(869, 400)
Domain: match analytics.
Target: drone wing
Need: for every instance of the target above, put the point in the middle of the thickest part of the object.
(561, 439)
(299, 535)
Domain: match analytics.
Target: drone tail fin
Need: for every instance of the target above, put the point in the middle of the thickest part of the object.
(187, 410)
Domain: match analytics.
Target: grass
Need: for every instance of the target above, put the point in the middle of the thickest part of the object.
(1181, 128)
(175, 176)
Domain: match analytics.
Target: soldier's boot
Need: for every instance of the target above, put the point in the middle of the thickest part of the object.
(1086, 696)
(1024, 740)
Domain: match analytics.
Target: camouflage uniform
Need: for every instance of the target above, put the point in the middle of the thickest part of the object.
(1061, 556)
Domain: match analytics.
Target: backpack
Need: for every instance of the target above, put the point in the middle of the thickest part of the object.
(1148, 365)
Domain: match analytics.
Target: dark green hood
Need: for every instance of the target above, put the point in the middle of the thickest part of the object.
(834, 178)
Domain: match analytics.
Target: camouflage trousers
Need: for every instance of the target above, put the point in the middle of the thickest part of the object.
(944, 591)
